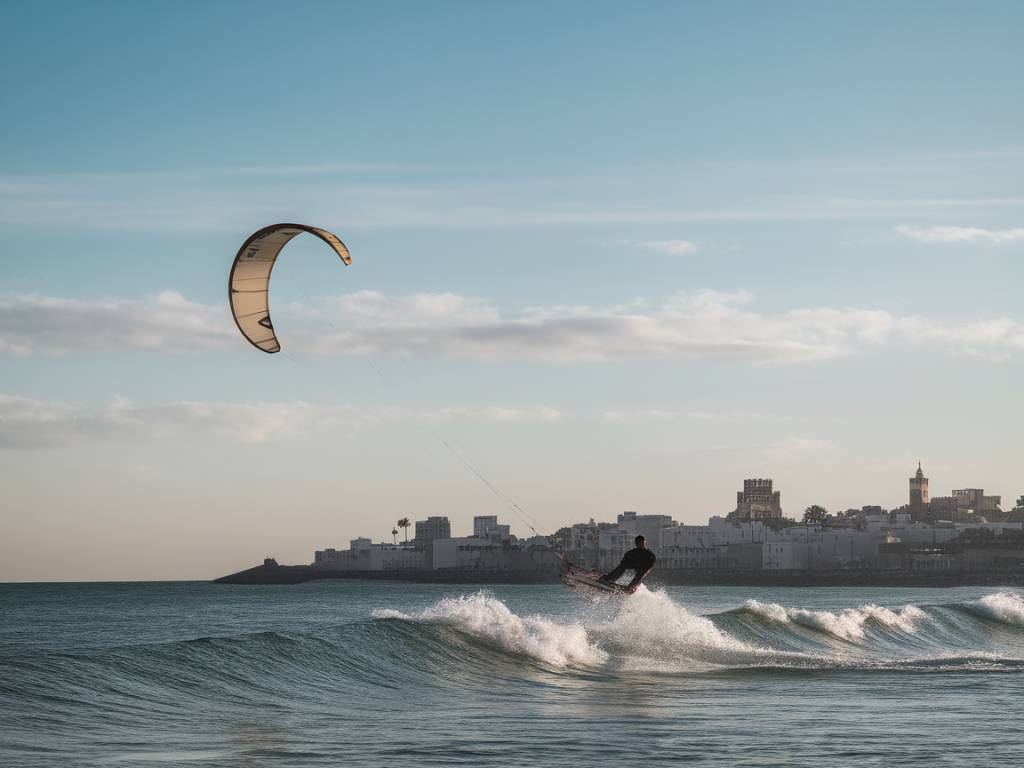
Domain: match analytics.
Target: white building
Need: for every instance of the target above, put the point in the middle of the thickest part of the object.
(613, 543)
(901, 528)
(648, 526)
(482, 524)
(795, 547)
(432, 528)
(602, 545)
(802, 547)
(487, 527)
(996, 528)
(707, 546)
(689, 546)
(469, 552)
(583, 536)
(364, 555)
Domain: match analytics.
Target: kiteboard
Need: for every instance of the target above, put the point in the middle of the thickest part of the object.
(589, 582)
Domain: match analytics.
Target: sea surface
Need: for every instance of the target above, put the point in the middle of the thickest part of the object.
(380, 674)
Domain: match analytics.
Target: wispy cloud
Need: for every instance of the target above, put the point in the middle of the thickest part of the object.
(960, 234)
(706, 324)
(670, 247)
(797, 447)
(649, 416)
(365, 196)
(30, 423)
(167, 322)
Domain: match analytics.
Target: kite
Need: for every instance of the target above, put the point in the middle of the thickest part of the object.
(249, 281)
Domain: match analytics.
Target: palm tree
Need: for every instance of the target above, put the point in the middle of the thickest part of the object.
(394, 535)
(404, 523)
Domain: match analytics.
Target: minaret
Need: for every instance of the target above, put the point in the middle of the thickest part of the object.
(919, 489)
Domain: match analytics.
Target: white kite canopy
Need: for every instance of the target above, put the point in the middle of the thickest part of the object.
(249, 281)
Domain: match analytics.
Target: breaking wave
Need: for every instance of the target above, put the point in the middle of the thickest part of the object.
(489, 619)
(470, 679)
(651, 631)
(848, 624)
(1003, 607)
(474, 639)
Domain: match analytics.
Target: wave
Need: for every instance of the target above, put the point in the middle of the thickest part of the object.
(849, 624)
(1002, 607)
(652, 632)
(474, 639)
(649, 627)
(487, 618)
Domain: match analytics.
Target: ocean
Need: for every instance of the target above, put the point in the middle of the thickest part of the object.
(384, 674)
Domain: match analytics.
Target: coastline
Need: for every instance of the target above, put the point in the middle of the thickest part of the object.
(298, 574)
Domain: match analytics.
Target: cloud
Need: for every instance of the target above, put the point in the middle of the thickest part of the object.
(670, 247)
(707, 324)
(166, 322)
(993, 338)
(29, 423)
(390, 197)
(670, 416)
(795, 447)
(702, 325)
(960, 234)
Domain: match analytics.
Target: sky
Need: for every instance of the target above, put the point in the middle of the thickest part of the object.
(617, 257)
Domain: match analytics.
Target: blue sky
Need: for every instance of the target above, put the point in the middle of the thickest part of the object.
(621, 256)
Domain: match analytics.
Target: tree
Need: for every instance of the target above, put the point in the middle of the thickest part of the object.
(815, 515)
(1016, 515)
(404, 523)
(779, 523)
(394, 535)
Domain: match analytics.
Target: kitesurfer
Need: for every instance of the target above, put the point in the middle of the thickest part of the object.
(639, 560)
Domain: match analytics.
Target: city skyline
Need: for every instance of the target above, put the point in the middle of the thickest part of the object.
(965, 536)
(607, 282)
(914, 503)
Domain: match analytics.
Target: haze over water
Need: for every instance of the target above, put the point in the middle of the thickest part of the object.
(388, 674)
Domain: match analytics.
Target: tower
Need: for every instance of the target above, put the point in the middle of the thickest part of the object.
(918, 489)
(758, 501)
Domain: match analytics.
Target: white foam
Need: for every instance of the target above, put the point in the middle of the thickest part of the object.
(1006, 607)
(651, 617)
(651, 631)
(848, 624)
(486, 617)
(390, 613)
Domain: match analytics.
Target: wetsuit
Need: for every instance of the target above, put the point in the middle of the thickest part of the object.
(638, 560)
